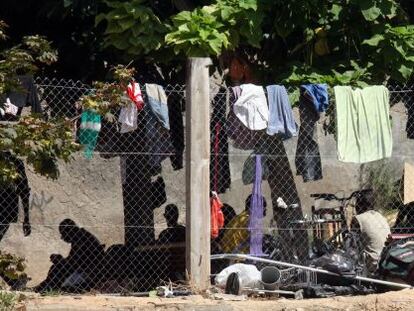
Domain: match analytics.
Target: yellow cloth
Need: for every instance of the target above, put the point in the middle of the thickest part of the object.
(236, 236)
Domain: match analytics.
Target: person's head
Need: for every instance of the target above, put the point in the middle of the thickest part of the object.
(249, 202)
(67, 229)
(171, 215)
(240, 70)
(365, 201)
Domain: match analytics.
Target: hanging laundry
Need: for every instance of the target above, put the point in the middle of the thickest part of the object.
(220, 178)
(89, 131)
(158, 102)
(129, 113)
(249, 169)
(281, 120)
(217, 216)
(8, 108)
(134, 94)
(313, 100)
(251, 107)
(27, 95)
(256, 212)
(175, 114)
(157, 125)
(318, 94)
(242, 137)
(10, 193)
(363, 123)
(24, 95)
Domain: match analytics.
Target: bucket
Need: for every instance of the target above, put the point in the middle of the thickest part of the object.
(270, 277)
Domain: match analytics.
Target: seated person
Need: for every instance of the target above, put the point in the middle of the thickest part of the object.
(372, 227)
(236, 237)
(175, 233)
(85, 258)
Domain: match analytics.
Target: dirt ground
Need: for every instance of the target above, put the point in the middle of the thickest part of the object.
(391, 301)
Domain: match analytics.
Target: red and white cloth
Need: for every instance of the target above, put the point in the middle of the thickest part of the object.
(129, 113)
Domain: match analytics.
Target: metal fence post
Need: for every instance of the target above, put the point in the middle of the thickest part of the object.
(197, 172)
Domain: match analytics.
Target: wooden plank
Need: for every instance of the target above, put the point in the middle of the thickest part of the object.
(197, 172)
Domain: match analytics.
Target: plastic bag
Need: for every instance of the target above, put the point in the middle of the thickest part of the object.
(217, 216)
(338, 262)
(249, 276)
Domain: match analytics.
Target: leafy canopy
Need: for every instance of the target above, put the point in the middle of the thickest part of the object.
(342, 42)
(40, 141)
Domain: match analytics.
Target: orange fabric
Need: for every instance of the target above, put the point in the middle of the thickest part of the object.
(217, 216)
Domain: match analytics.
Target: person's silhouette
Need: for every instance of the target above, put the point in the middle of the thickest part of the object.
(175, 233)
(10, 194)
(84, 259)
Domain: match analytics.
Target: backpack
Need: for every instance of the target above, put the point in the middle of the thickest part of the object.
(397, 261)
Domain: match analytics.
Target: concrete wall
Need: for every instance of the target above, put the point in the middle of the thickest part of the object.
(90, 192)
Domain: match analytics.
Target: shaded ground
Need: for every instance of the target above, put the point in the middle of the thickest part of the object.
(392, 301)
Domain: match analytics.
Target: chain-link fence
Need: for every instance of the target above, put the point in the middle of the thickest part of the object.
(116, 222)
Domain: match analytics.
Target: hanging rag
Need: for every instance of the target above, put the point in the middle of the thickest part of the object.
(175, 114)
(129, 114)
(242, 137)
(256, 212)
(89, 131)
(318, 94)
(249, 169)
(26, 95)
(313, 100)
(158, 103)
(220, 179)
(134, 93)
(9, 108)
(157, 125)
(251, 107)
(281, 120)
(363, 123)
(217, 216)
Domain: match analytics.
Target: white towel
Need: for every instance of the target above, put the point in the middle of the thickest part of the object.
(251, 107)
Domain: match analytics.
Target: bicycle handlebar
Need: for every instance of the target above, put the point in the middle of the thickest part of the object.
(331, 196)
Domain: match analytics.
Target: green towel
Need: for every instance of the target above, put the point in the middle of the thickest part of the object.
(363, 123)
(89, 131)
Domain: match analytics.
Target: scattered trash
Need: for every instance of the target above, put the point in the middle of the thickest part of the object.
(228, 297)
(168, 291)
(270, 278)
(248, 275)
(286, 264)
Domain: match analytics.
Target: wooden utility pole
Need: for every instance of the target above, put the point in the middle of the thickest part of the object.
(198, 172)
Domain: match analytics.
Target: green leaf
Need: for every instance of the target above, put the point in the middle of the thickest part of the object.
(113, 28)
(99, 18)
(335, 11)
(10, 132)
(405, 71)
(371, 13)
(67, 3)
(126, 23)
(375, 40)
(248, 4)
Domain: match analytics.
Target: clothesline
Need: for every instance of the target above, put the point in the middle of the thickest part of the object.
(411, 90)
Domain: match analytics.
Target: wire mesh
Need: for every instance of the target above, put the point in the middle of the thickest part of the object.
(116, 222)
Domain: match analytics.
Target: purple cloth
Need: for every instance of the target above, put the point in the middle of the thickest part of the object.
(256, 212)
